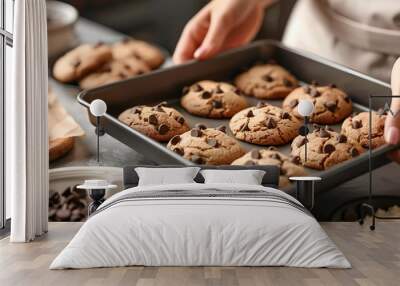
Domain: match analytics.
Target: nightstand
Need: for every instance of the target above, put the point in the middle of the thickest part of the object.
(305, 187)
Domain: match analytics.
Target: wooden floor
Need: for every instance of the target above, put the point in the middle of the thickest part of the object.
(375, 257)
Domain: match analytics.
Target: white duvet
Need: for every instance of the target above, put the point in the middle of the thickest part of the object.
(188, 231)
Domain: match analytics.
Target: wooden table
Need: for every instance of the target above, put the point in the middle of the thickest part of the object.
(375, 257)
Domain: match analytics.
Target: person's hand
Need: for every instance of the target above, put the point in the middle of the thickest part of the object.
(392, 124)
(220, 25)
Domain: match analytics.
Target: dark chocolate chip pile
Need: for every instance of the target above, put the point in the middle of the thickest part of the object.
(69, 205)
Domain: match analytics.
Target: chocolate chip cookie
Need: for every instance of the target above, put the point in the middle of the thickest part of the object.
(81, 61)
(144, 51)
(290, 166)
(114, 71)
(266, 81)
(212, 99)
(264, 124)
(206, 146)
(331, 105)
(158, 122)
(356, 128)
(325, 148)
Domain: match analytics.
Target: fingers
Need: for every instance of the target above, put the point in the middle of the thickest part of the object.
(392, 123)
(220, 26)
(192, 37)
(392, 128)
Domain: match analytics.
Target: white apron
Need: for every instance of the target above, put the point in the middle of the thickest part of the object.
(361, 34)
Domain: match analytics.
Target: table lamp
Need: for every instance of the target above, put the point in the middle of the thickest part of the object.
(98, 108)
(305, 108)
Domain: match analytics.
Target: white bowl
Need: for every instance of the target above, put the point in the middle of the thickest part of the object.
(62, 178)
(61, 22)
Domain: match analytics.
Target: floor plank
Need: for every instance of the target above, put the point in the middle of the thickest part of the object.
(375, 257)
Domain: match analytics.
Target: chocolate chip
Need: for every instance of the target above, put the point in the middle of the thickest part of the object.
(136, 110)
(66, 193)
(270, 123)
(342, 138)
(245, 127)
(287, 82)
(195, 132)
(217, 104)
(250, 163)
(221, 128)
(354, 152)
(159, 108)
(180, 120)
(205, 94)
(196, 88)
(250, 114)
(275, 156)
(332, 85)
(175, 140)
(179, 151)
(272, 148)
(136, 55)
(316, 127)
(330, 105)
(218, 89)
(200, 126)
(324, 134)
(302, 142)
(185, 90)
(197, 159)
(285, 115)
(356, 124)
(329, 148)
(307, 89)
(314, 92)
(314, 82)
(255, 154)
(293, 103)
(153, 119)
(212, 142)
(346, 97)
(267, 78)
(295, 160)
(260, 104)
(163, 129)
(365, 145)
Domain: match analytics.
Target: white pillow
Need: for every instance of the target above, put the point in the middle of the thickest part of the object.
(248, 177)
(164, 176)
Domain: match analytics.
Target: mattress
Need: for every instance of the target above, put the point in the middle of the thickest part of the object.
(201, 225)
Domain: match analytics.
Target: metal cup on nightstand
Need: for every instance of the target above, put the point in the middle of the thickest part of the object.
(97, 190)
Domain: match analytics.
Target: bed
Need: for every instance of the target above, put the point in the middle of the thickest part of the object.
(201, 224)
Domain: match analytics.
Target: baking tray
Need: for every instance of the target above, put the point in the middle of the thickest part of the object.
(167, 84)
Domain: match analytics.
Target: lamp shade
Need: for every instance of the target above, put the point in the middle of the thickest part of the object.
(98, 107)
(305, 107)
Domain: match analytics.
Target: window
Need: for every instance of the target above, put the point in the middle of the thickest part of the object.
(6, 30)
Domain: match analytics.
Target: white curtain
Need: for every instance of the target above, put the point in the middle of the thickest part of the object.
(26, 123)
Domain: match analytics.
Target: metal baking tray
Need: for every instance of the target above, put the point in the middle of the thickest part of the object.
(167, 84)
